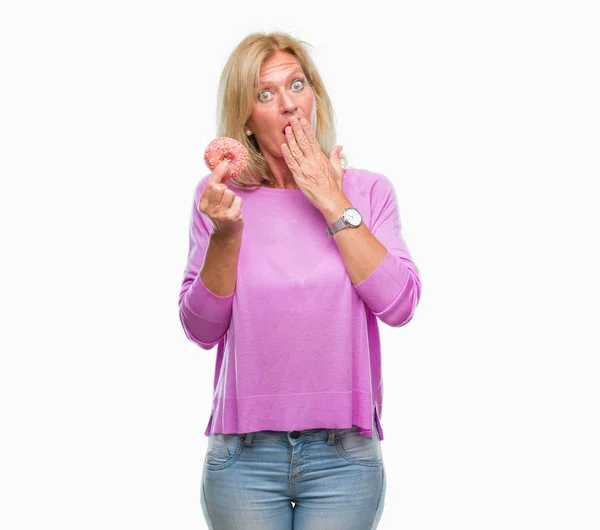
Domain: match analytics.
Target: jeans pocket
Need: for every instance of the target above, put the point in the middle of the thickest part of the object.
(360, 449)
(222, 450)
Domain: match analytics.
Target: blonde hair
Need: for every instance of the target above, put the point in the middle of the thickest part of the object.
(236, 96)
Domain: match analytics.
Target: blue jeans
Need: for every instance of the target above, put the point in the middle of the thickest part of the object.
(334, 477)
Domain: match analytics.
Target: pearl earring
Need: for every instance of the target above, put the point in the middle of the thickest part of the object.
(248, 133)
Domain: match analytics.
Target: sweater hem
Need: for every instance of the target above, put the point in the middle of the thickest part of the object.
(294, 412)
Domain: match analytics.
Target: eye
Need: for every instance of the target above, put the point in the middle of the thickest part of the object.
(301, 81)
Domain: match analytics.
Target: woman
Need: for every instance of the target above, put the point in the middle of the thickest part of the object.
(291, 292)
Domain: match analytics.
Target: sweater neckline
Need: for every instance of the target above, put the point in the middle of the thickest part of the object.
(287, 191)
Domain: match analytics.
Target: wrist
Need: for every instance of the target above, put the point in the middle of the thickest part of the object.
(226, 238)
(333, 211)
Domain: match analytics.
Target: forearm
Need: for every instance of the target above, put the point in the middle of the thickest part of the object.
(360, 250)
(388, 283)
(219, 271)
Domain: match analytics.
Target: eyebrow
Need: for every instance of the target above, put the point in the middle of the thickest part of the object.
(268, 83)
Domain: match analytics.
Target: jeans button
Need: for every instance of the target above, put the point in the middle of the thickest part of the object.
(295, 434)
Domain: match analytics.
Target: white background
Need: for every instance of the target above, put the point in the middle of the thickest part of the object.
(486, 117)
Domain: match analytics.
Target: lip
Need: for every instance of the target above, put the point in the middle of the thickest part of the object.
(289, 123)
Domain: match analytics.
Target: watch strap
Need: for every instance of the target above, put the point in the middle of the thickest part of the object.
(336, 226)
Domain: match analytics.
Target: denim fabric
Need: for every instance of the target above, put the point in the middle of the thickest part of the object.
(325, 479)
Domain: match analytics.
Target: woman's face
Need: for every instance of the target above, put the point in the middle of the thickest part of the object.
(283, 92)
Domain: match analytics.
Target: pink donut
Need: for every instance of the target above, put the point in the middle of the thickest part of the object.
(222, 148)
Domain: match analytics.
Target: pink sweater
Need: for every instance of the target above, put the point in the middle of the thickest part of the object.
(298, 344)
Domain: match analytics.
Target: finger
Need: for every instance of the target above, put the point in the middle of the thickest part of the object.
(289, 158)
(219, 171)
(227, 199)
(236, 207)
(311, 139)
(215, 193)
(301, 138)
(292, 145)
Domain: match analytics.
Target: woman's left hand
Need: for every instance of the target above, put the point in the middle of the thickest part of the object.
(318, 177)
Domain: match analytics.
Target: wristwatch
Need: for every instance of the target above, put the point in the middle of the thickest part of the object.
(351, 217)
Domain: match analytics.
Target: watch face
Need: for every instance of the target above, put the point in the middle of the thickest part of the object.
(352, 217)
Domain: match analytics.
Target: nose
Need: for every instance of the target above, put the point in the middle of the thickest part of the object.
(288, 103)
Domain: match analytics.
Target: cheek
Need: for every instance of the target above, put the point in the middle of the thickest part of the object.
(266, 122)
(310, 98)
(310, 109)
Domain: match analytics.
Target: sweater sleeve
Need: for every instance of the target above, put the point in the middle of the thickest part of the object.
(392, 291)
(204, 315)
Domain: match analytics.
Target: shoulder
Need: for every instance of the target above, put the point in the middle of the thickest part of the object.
(369, 183)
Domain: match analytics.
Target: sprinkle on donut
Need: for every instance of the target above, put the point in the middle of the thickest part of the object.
(222, 148)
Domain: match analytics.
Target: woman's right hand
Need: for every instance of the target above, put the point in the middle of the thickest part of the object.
(221, 205)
